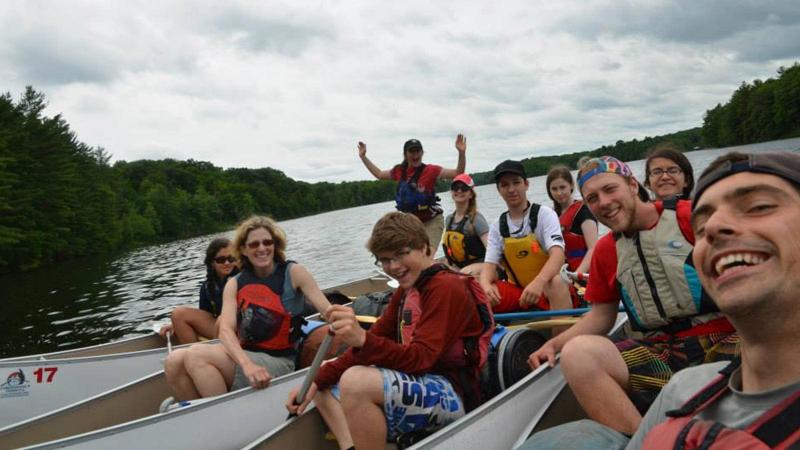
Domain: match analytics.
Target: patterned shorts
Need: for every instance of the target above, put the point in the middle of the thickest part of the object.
(651, 362)
(416, 402)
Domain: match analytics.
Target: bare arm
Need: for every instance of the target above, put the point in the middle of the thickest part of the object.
(373, 169)
(597, 321)
(226, 325)
(589, 229)
(461, 146)
(302, 280)
(550, 269)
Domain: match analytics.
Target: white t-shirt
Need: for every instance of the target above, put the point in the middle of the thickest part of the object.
(548, 232)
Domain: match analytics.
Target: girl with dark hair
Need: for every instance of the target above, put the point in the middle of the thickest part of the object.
(189, 323)
(260, 324)
(416, 183)
(578, 225)
(668, 173)
(466, 230)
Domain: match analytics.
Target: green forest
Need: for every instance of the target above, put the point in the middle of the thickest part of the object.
(61, 198)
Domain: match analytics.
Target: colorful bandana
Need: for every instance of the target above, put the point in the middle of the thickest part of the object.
(603, 164)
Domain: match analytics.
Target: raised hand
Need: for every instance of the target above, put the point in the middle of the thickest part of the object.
(362, 149)
(461, 143)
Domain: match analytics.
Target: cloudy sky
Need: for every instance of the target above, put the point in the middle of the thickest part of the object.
(296, 85)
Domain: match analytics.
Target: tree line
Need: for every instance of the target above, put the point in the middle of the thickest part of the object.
(61, 198)
(757, 112)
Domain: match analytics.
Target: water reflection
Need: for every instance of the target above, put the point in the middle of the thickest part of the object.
(95, 300)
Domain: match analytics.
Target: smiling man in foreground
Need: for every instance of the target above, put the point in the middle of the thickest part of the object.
(747, 222)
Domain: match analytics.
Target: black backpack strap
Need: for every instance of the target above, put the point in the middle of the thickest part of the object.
(503, 223)
(533, 217)
(670, 203)
(707, 393)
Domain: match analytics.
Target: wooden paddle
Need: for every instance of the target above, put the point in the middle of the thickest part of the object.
(313, 369)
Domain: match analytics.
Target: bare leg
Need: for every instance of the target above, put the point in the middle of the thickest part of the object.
(473, 269)
(558, 294)
(210, 368)
(331, 411)
(188, 323)
(177, 376)
(598, 376)
(362, 403)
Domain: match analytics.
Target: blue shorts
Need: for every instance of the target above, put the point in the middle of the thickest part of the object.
(416, 402)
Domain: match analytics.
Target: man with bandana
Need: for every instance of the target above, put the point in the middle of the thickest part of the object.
(645, 262)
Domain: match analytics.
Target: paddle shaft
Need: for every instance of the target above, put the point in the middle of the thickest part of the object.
(527, 315)
(312, 371)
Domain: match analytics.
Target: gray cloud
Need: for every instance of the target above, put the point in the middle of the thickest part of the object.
(683, 21)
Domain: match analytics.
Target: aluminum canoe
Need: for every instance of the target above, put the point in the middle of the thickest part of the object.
(503, 422)
(116, 403)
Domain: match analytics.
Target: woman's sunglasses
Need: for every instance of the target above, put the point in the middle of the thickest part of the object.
(265, 242)
(224, 259)
(460, 187)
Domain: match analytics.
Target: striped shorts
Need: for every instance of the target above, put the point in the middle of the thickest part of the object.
(652, 361)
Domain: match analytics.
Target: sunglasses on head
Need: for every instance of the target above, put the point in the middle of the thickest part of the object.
(224, 259)
(265, 242)
(460, 187)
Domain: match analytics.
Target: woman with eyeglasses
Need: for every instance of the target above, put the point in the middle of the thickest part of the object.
(466, 230)
(260, 324)
(668, 172)
(188, 323)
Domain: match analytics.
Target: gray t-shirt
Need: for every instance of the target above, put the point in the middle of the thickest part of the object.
(735, 409)
(480, 223)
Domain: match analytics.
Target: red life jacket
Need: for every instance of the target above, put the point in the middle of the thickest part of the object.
(779, 427)
(468, 351)
(575, 245)
(269, 312)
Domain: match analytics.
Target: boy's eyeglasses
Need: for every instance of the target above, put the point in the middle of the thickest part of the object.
(265, 242)
(398, 255)
(224, 259)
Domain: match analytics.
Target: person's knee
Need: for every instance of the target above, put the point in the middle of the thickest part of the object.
(174, 364)
(195, 357)
(180, 314)
(359, 383)
(581, 353)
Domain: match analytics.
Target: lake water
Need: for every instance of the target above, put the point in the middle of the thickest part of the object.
(99, 299)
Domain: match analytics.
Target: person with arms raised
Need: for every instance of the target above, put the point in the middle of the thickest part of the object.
(416, 183)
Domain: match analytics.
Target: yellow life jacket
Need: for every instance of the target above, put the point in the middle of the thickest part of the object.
(461, 248)
(523, 257)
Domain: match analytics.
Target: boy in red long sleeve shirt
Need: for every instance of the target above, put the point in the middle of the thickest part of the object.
(408, 372)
